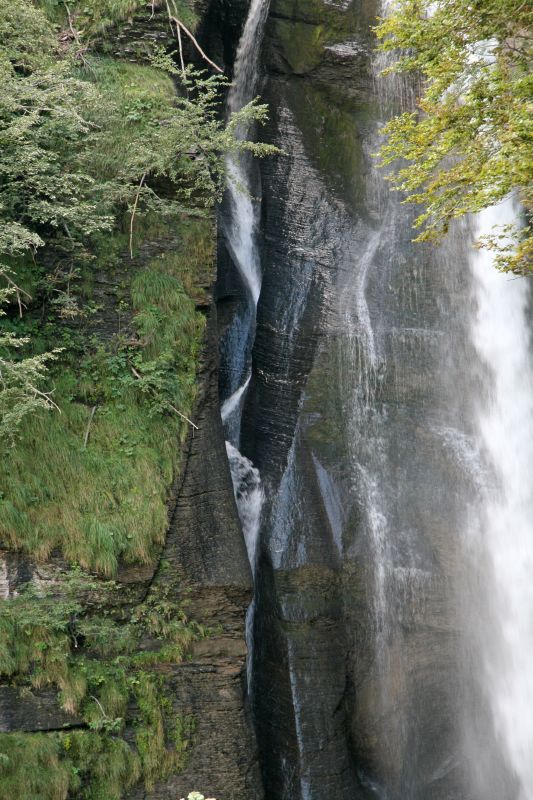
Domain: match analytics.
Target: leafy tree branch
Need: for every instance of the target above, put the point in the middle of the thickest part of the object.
(469, 145)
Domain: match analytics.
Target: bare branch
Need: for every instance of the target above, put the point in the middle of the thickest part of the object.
(195, 43)
(18, 291)
(139, 376)
(86, 437)
(183, 416)
(100, 706)
(45, 396)
(181, 27)
(76, 36)
(133, 213)
(178, 31)
(14, 285)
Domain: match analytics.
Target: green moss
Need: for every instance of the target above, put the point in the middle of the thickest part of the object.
(31, 766)
(132, 99)
(302, 45)
(81, 764)
(157, 759)
(312, 12)
(97, 663)
(105, 767)
(105, 501)
(331, 136)
(302, 28)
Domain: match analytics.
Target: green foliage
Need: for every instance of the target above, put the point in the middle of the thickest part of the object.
(41, 187)
(85, 139)
(88, 20)
(21, 380)
(149, 137)
(471, 144)
(75, 642)
(105, 500)
(93, 134)
(31, 766)
(45, 197)
(103, 165)
(80, 764)
(133, 102)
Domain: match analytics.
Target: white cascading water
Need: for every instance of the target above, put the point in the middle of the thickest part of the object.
(501, 334)
(233, 403)
(241, 234)
(249, 497)
(503, 531)
(241, 237)
(231, 411)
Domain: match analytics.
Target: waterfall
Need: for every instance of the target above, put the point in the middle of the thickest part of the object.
(249, 496)
(241, 232)
(231, 410)
(241, 236)
(246, 63)
(501, 335)
(240, 226)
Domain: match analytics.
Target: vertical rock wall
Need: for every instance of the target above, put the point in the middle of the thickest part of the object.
(359, 333)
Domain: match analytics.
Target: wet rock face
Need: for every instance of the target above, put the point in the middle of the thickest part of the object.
(351, 423)
(300, 646)
(221, 28)
(326, 39)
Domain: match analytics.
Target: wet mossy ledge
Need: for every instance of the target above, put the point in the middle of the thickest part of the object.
(302, 29)
(93, 620)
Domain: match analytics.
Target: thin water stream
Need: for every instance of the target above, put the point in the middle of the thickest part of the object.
(240, 223)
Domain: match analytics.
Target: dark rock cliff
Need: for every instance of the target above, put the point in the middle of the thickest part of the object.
(354, 687)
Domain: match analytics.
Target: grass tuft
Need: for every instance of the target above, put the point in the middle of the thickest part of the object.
(106, 502)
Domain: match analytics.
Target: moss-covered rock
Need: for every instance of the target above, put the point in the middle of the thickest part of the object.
(300, 31)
